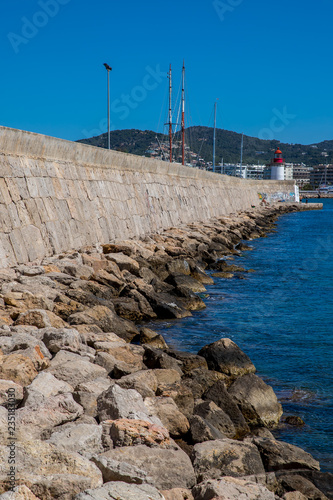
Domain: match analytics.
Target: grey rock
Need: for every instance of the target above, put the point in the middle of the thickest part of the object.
(107, 320)
(216, 417)
(74, 369)
(21, 341)
(295, 482)
(189, 361)
(277, 455)
(201, 430)
(123, 403)
(52, 473)
(121, 491)
(166, 378)
(143, 381)
(115, 367)
(257, 401)
(56, 339)
(42, 387)
(231, 488)
(156, 358)
(79, 438)
(165, 468)
(200, 380)
(35, 421)
(225, 457)
(167, 411)
(86, 394)
(220, 396)
(226, 357)
(113, 470)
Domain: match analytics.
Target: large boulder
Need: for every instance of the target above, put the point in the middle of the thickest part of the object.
(216, 417)
(35, 421)
(166, 378)
(156, 358)
(201, 430)
(257, 401)
(124, 262)
(85, 439)
(167, 411)
(189, 361)
(277, 455)
(225, 457)
(40, 318)
(118, 490)
(56, 339)
(49, 472)
(295, 482)
(86, 394)
(231, 488)
(165, 468)
(143, 381)
(74, 369)
(107, 320)
(181, 280)
(129, 432)
(226, 357)
(114, 470)
(220, 396)
(200, 380)
(42, 387)
(123, 403)
(18, 368)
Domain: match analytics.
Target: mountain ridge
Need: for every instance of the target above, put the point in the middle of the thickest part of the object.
(199, 140)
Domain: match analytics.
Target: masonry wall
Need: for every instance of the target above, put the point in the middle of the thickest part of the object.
(57, 195)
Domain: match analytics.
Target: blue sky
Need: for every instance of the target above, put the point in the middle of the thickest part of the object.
(268, 63)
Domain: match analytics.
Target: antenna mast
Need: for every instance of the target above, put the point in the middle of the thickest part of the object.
(170, 113)
(214, 137)
(183, 114)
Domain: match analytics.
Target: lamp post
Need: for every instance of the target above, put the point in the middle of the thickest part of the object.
(108, 69)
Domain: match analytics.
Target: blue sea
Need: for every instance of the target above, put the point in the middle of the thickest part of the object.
(281, 315)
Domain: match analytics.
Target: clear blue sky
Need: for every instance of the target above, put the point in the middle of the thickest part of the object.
(269, 63)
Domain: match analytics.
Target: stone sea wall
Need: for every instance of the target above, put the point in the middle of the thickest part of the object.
(57, 195)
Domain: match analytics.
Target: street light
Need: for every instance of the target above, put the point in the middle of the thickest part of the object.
(108, 69)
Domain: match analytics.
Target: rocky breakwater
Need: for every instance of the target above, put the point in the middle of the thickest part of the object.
(104, 409)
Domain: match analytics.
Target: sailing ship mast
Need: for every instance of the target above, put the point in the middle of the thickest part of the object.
(214, 137)
(183, 114)
(170, 112)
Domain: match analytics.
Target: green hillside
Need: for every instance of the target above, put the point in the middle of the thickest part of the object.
(200, 140)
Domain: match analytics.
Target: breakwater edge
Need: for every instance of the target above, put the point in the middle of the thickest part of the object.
(104, 406)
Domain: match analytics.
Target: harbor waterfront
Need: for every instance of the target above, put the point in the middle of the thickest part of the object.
(281, 317)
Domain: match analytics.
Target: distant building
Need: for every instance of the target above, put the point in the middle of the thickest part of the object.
(322, 174)
(244, 171)
(301, 174)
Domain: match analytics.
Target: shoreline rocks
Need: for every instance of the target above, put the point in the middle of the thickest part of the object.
(106, 409)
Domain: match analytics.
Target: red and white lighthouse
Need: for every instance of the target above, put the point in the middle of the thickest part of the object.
(277, 166)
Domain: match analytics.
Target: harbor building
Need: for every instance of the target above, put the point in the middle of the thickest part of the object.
(321, 175)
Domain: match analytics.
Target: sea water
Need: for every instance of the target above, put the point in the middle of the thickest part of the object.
(281, 316)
